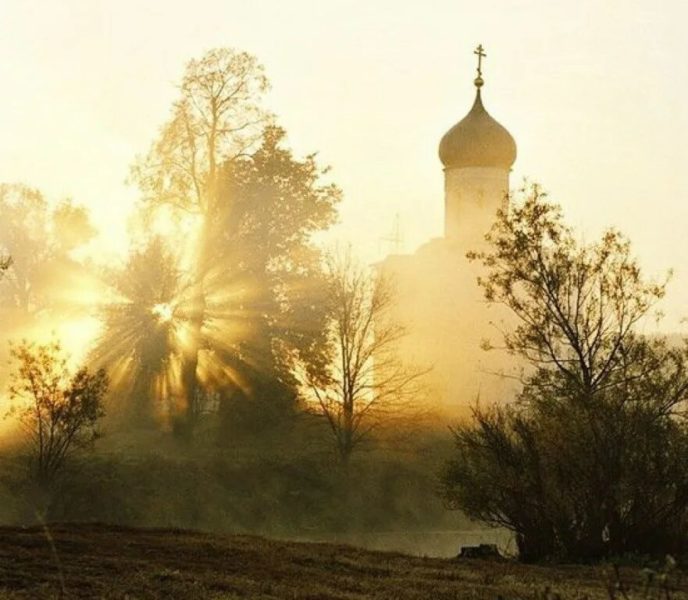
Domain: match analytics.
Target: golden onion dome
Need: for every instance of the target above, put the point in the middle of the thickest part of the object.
(477, 140)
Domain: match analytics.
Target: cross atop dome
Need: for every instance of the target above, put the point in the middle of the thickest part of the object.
(477, 154)
(480, 53)
(478, 140)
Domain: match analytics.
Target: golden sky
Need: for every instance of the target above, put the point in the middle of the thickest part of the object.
(594, 93)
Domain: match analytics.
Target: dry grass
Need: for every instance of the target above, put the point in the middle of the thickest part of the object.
(93, 561)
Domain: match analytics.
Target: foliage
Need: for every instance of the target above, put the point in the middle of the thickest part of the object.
(249, 305)
(589, 460)
(365, 383)
(266, 260)
(140, 330)
(39, 240)
(261, 308)
(275, 493)
(217, 118)
(575, 306)
(71, 226)
(58, 410)
(37, 283)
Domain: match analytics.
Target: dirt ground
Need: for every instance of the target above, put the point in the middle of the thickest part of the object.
(94, 561)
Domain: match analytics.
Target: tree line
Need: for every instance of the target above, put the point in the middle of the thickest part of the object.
(228, 322)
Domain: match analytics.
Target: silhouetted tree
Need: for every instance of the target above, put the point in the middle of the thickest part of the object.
(576, 306)
(217, 118)
(248, 306)
(39, 239)
(139, 340)
(365, 383)
(59, 410)
(266, 291)
(38, 288)
(589, 460)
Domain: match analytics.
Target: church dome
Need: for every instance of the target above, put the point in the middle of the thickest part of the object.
(477, 140)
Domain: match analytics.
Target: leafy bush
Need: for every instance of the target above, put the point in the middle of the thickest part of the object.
(591, 459)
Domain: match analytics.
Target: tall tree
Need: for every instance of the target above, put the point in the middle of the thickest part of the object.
(589, 460)
(219, 160)
(217, 118)
(366, 383)
(265, 256)
(139, 342)
(40, 240)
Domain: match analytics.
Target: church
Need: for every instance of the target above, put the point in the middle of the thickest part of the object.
(438, 300)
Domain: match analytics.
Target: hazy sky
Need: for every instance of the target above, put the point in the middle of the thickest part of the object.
(594, 92)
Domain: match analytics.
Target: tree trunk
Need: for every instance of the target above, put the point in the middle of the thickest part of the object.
(186, 420)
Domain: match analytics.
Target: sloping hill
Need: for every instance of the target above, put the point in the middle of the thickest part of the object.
(94, 561)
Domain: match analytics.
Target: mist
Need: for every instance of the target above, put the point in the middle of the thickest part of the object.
(234, 372)
(237, 361)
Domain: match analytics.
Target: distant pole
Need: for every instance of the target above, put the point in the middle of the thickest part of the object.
(395, 239)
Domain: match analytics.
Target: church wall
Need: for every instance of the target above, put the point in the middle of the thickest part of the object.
(447, 319)
(438, 297)
(472, 197)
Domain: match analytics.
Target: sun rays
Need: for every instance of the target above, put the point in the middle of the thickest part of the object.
(148, 330)
(163, 311)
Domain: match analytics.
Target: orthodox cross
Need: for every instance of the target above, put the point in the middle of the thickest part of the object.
(480, 53)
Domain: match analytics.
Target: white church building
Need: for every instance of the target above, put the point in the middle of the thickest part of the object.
(438, 299)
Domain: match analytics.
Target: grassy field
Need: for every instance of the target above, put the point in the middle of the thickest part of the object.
(92, 561)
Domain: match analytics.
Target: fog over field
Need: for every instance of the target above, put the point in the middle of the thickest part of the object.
(404, 278)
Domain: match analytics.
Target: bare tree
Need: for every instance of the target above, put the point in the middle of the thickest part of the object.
(366, 382)
(58, 410)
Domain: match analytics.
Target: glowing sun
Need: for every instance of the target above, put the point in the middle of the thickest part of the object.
(163, 311)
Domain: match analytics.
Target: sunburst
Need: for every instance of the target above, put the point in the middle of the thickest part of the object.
(164, 312)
